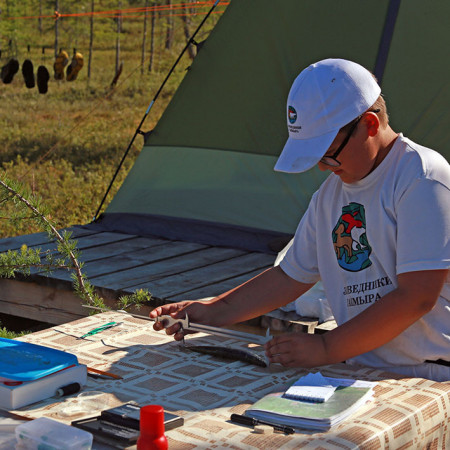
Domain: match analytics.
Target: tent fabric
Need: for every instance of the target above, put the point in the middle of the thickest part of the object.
(210, 158)
(234, 95)
(233, 188)
(416, 84)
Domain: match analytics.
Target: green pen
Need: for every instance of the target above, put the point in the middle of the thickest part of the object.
(100, 329)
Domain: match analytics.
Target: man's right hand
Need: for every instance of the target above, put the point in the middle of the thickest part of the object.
(197, 312)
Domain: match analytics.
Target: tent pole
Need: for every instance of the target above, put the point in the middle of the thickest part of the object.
(138, 130)
(386, 39)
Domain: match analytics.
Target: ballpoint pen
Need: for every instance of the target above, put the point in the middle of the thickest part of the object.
(100, 329)
(246, 420)
(96, 373)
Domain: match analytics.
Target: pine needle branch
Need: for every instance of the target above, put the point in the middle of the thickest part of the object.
(25, 259)
(64, 245)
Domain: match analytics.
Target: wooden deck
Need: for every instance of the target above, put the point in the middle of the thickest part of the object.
(117, 264)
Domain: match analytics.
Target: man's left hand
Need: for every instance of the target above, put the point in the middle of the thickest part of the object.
(297, 350)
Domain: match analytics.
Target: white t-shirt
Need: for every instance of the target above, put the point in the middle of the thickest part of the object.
(358, 237)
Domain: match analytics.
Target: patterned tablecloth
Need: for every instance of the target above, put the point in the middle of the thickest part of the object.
(405, 413)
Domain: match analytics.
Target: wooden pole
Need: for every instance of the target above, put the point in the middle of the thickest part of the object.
(152, 39)
(56, 29)
(144, 37)
(91, 39)
(169, 24)
(40, 17)
(187, 34)
(119, 19)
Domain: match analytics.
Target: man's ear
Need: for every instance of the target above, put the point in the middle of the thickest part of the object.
(372, 122)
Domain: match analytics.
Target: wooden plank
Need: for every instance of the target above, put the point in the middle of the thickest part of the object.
(186, 281)
(87, 242)
(39, 239)
(102, 239)
(92, 240)
(105, 237)
(165, 266)
(49, 303)
(324, 327)
(113, 266)
(285, 321)
(118, 248)
(215, 289)
(42, 303)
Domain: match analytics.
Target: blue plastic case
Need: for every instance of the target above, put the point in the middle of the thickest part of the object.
(21, 361)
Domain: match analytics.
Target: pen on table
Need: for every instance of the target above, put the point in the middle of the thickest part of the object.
(97, 376)
(245, 420)
(104, 327)
(92, 372)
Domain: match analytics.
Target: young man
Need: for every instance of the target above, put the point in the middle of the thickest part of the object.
(376, 233)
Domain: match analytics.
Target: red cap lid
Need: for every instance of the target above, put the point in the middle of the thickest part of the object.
(152, 421)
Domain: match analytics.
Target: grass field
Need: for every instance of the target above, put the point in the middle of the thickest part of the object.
(65, 145)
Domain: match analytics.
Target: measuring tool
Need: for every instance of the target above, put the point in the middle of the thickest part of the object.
(196, 327)
(186, 325)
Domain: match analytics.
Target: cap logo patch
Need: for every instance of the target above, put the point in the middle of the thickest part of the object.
(292, 114)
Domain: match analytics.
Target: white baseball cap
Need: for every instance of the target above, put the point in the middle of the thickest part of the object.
(325, 96)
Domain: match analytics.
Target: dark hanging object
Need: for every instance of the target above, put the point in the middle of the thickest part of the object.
(42, 79)
(9, 70)
(28, 74)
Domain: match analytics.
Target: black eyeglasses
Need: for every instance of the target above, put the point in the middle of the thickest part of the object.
(331, 160)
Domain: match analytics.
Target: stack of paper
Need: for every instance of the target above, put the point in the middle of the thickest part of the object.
(346, 398)
(311, 388)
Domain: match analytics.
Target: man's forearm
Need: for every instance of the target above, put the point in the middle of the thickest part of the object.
(266, 292)
(387, 318)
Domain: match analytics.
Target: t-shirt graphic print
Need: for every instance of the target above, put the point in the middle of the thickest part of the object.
(350, 242)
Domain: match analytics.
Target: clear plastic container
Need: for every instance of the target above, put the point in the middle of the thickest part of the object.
(51, 435)
(94, 400)
(86, 403)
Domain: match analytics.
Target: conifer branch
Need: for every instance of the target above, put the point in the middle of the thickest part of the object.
(63, 244)
(25, 259)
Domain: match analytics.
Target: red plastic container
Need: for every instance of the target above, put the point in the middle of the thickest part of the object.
(151, 426)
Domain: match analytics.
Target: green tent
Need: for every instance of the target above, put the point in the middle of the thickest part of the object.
(206, 174)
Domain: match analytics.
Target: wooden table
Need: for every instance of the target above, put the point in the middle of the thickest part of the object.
(406, 413)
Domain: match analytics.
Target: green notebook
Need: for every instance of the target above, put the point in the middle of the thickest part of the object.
(346, 399)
